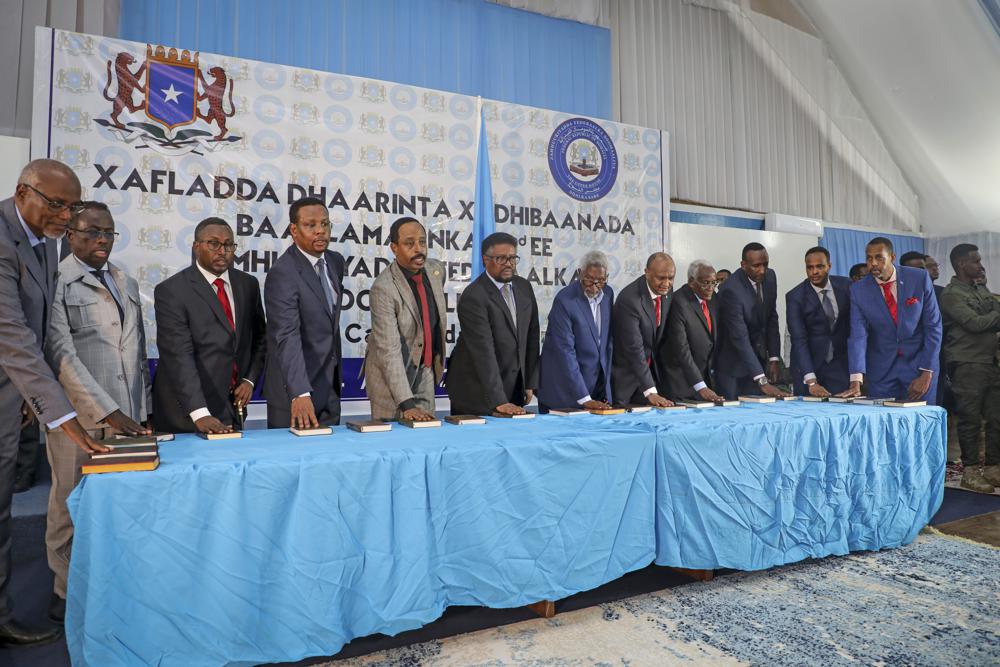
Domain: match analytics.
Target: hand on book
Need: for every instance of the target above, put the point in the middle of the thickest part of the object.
(121, 423)
(707, 394)
(658, 401)
(210, 424)
(852, 391)
(816, 389)
(919, 387)
(771, 390)
(595, 405)
(77, 434)
(510, 409)
(417, 415)
(303, 413)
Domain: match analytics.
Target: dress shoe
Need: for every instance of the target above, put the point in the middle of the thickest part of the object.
(23, 483)
(13, 634)
(57, 609)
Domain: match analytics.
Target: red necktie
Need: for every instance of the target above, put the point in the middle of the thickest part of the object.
(220, 290)
(890, 300)
(708, 318)
(425, 316)
(657, 302)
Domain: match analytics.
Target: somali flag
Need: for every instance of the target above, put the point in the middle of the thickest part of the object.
(483, 223)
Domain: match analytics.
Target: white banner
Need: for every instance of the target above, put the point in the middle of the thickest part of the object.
(167, 137)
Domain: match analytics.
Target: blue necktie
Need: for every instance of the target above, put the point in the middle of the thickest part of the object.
(324, 280)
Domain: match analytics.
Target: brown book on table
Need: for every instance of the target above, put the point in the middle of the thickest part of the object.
(413, 423)
(905, 404)
(465, 420)
(159, 435)
(608, 411)
(232, 435)
(524, 415)
(568, 412)
(789, 398)
(758, 399)
(124, 464)
(306, 432)
(126, 452)
(131, 443)
(369, 426)
(697, 404)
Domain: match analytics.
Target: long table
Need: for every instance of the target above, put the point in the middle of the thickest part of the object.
(275, 548)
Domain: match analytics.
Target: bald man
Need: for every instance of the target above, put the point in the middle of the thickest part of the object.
(637, 325)
(47, 195)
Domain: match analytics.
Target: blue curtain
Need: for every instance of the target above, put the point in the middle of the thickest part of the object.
(847, 246)
(471, 47)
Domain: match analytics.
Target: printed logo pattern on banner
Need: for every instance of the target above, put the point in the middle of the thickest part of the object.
(167, 137)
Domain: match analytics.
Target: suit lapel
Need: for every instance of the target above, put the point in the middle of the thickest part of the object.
(878, 297)
(437, 289)
(646, 301)
(24, 249)
(401, 281)
(308, 275)
(239, 296)
(207, 294)
(121, 284)
(699, 313)
(584, 305)
(493, 293)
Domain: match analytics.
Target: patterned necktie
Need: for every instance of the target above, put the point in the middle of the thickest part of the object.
(759, 287)
(708, 318)
(227, 308)
(324, 280)
(425, 317)
(656, 303)
(508, 297)
(102, 277)
(890, 300)
(831, 318)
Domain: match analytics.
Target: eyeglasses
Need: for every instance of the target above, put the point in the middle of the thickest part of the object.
(503, 259)
(587, 282)
(312, 226)
(214, 246)
(57, 206)
(94, 234)
(708, 283)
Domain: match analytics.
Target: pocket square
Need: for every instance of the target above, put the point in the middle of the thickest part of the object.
(912, 300)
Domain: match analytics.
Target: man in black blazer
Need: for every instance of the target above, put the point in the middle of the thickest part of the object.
(494, 367)
(748, 328)
(819, 323)
(303, 295)
(45, 199)
(210, 331)
(687, 350)
(637, 325)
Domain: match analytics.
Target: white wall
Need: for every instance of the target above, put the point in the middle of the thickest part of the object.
(15, 153)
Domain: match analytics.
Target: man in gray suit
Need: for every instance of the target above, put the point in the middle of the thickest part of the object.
(96, 345)
(47, 192)
(405, 356)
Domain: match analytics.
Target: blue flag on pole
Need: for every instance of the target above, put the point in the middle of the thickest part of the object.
(483, 223)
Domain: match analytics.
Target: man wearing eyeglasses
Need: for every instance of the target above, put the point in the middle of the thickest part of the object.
(575, 365)
(96, 345)
(638, 319)
(303, 292)
(46, 195)
(687, 350)
(494, 367)
(819, 322)
(211, 334)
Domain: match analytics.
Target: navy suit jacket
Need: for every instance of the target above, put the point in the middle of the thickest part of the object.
(303, 336)
(573, 353)
(748, 332)
(887, 352)
(811, 335)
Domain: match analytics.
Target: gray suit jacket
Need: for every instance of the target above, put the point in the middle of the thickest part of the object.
(25, 295)
(396, 343)
(100, 362)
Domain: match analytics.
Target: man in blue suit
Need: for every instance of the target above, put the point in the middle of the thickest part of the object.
(748, 328)
(576, 356)
(302, 296)
(818, 312)
(895, 335)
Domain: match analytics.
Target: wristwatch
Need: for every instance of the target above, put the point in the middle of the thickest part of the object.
(762, 380)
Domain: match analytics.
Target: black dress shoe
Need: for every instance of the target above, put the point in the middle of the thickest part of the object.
(23, 483)
(12, 634)
(57, 609)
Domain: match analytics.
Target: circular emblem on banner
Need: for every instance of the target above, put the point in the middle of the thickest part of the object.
(583, 159)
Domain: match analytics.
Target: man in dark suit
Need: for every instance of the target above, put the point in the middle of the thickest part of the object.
(637, 323)
(858, 271)
(749, 340)
(303, 292)
(210, 332)
(687, 350)
(494, 367)
(46, 197)
(819, 321)
(895, 335)
(576, 355)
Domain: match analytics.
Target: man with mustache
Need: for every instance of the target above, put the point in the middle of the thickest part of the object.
(46, 197)
(405, 356)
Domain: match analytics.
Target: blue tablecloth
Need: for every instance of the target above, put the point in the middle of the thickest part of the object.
(274, 548)
(277, 548)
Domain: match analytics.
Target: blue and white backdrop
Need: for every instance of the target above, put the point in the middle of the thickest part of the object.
(167, 137)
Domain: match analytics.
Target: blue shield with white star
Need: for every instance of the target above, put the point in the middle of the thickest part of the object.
(171, 93)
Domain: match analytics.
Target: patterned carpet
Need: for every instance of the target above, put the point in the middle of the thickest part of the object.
(934, 602)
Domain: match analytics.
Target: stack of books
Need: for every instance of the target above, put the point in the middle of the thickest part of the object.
(127, 454)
